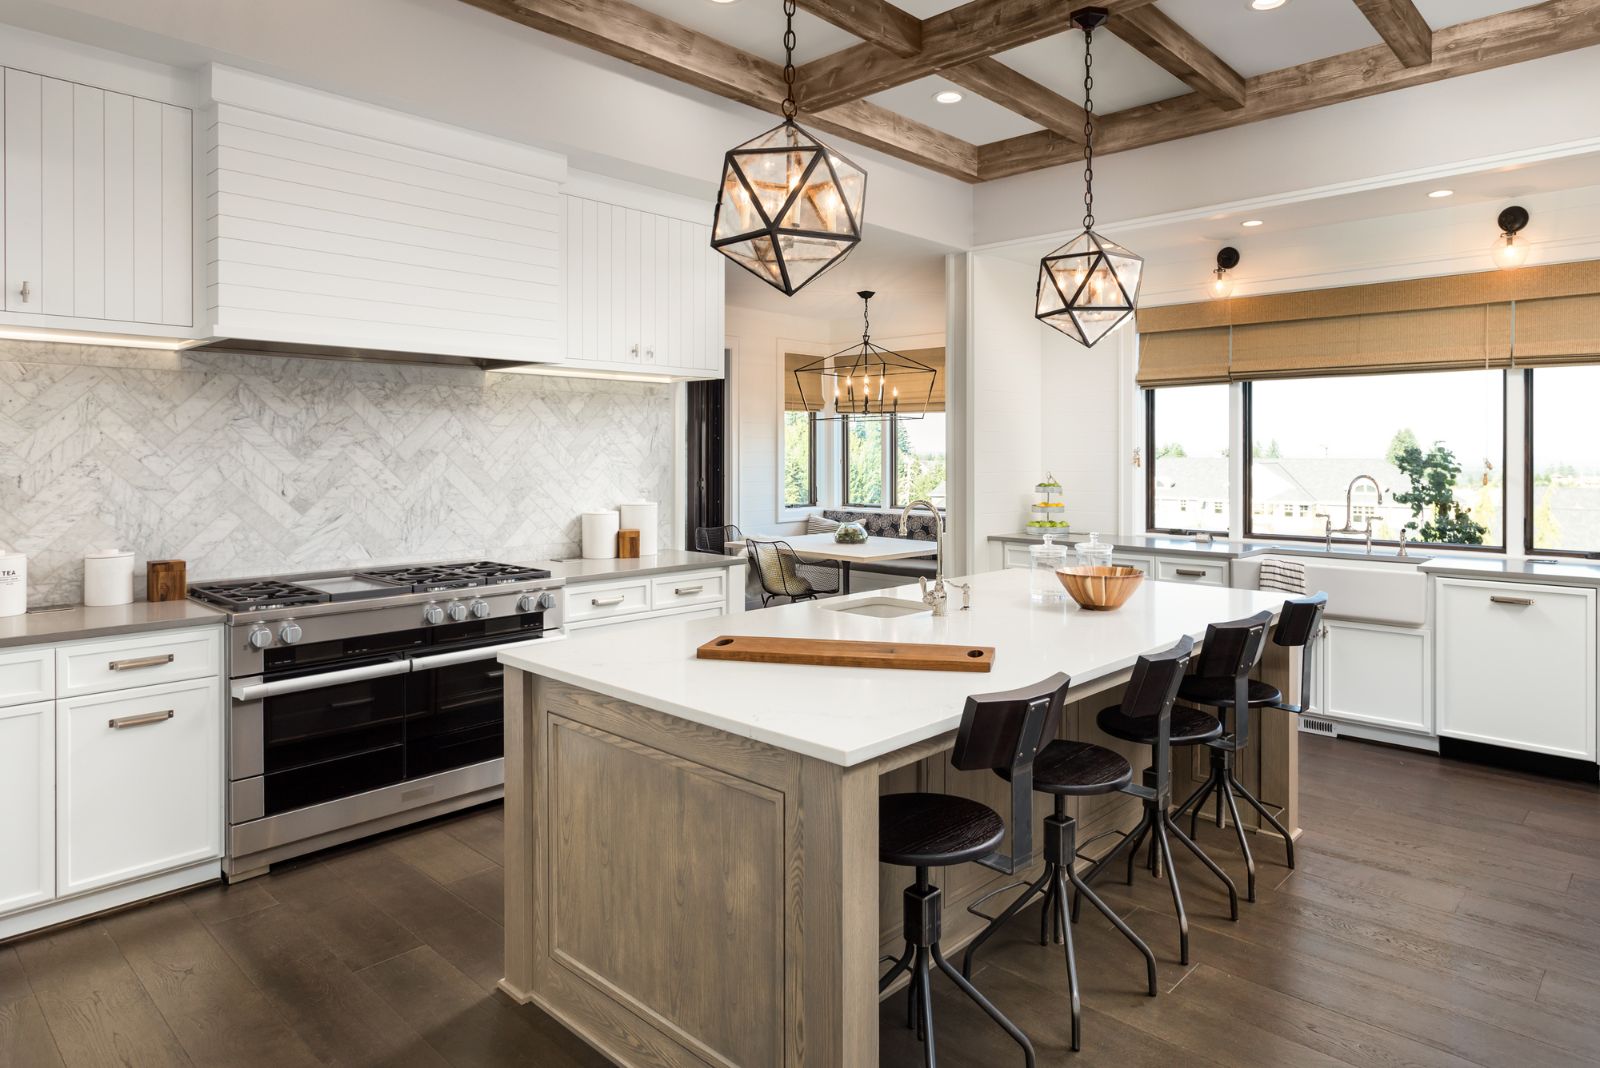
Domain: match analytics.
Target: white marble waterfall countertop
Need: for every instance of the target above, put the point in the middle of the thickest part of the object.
(849, 715)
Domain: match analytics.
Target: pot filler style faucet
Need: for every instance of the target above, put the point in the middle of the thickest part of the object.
(936, 597)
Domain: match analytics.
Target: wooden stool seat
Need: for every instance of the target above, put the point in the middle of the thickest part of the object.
(1080, 769)
(1219, 693)
(934, 830)
(1190, 726)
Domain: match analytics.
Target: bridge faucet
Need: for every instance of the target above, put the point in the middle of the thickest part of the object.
(936, 597)
(1349, 513)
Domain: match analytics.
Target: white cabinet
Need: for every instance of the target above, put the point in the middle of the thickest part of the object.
(99, 209)
(680, 594)
(335, 223)
(1375, 675)
(28, 675)
(27, 805)
(138, 782)
(644, 291)
(143, 660)
(1516, 665)
(1195, 572)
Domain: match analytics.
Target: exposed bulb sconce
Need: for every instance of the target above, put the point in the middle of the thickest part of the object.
(1508, 252)
(1221, 284)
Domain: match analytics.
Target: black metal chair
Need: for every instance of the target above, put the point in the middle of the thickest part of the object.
(1001, 732)
(715, 539)
(783, 574)
(1067, 769)
(1147, 715)
(1299, 625)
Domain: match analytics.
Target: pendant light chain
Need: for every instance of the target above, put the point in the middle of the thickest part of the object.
(1088, 129)
(866, 323)
(789, 106)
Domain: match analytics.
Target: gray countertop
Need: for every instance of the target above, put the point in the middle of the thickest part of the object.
(1531, 569)
(80, 621)
(577, 572)
(1225, 549)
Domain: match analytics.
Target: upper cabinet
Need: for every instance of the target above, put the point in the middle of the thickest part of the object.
(335, 223)
(99, 209)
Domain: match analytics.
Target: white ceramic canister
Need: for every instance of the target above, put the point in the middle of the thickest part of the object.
(600, 535)
(13, 584)
(645, 517)
(108, 577)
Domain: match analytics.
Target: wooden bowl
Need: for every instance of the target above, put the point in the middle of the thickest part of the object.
(1100, 589)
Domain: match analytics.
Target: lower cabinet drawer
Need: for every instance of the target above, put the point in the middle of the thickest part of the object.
(138, 782)
(681, 591)
(1199, 572)
(610, 599)
(144, 660)
(27, 676)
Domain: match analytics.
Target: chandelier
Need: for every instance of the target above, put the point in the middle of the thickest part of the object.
(789, 207)
(1089, 285)
(866, 381)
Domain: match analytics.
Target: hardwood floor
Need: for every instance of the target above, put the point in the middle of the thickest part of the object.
(1442, 915)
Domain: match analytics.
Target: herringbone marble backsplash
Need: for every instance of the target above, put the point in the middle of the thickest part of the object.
(250, 465)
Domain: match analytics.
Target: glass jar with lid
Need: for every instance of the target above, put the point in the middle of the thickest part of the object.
(1043, 560)
(1094, 552)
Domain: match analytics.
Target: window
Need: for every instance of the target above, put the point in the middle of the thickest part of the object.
(863, 462)
(1434, 441)
(1186, 438)
(799, 459)
(919, 460)
(1563, 460)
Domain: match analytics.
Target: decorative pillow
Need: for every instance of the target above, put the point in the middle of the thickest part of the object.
(817, 524)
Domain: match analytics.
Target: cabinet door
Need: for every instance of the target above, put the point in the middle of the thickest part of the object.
(24, 185)
(1376, 675)
(27, 805)
(138, 782)
(1516, 664)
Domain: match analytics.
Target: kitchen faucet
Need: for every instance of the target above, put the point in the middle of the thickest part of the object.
(1349, 523)
(936, 597)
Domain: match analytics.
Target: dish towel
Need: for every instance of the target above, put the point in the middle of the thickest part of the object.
(1281, 573)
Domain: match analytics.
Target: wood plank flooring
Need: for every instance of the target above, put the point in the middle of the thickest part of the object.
(1442, 915)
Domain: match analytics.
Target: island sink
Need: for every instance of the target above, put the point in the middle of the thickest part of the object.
(881, 607)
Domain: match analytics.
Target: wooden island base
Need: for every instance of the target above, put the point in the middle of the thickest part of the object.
(678, 895)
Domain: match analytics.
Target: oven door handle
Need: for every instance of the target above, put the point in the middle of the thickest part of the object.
(467, 656)
(251, 690)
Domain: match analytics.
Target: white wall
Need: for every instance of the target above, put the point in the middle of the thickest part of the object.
(1082, 425)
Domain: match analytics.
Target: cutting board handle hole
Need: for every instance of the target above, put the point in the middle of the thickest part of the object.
(724, 641)
(975, 653)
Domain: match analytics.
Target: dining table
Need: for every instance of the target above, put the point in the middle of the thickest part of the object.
(824, 547)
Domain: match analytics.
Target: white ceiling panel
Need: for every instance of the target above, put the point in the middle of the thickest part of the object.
(972, 119)
(1442, 13)
(1122, 77)
(1255, 42)
(756, 26)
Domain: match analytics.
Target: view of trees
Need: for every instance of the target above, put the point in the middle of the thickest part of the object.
(1434, 475)
(797, 430)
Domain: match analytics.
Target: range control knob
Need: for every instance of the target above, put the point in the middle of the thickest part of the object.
(457, 611)
(480, 609)
(547, 601)
(536, 602)
(289, 633)
(260, 637)
(433, 615)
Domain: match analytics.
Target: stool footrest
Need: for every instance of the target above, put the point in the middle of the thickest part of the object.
(974, 907)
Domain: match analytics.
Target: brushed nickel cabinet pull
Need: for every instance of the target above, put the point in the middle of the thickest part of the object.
(140, 720)
(607, 602)
(1191, 572)
(684, 591)
(1523, 601)
(140, 662)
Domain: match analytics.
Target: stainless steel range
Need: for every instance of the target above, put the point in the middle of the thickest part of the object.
(365, 700)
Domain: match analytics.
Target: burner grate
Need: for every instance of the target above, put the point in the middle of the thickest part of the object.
(255, 596)
(425, 578)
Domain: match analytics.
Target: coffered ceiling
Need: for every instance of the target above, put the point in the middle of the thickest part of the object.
(1164, 69)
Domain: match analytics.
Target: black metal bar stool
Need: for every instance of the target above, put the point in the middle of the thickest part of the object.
(1073, 769)
(1000, 732)
(1148, 716)
(1224, 684)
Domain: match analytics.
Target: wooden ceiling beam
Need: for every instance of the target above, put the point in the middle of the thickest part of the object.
(1515, 36)
(1176, 51)
(876, 22)
(630, 33)
(1402, 28)
(999, 84)
(976, 30)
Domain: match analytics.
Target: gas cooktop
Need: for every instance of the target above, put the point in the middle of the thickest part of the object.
(294, 591)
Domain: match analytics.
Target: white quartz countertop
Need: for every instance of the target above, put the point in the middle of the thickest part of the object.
(850, 715)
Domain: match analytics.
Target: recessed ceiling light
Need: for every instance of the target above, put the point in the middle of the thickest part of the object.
(1251, 222)
(1440, 194)
(947, 96)
(722, 1)
(1266, 5)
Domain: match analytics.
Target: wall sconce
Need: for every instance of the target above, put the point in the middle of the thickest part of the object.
(1221, 284)
(1508, 252)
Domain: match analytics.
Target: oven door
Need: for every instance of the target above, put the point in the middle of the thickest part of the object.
(457, 715)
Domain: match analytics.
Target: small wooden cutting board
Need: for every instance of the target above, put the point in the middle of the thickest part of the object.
(832, 652)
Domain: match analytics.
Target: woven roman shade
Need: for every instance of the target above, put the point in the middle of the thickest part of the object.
(1558, 330)
(911, 396)
(792, 399)
(1184, 357)
(1432, 339)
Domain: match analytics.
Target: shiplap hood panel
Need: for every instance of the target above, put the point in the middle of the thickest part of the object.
(335, 227)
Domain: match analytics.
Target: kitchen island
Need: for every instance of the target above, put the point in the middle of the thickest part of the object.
(691, 857)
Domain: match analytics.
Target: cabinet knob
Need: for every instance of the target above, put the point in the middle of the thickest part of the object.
(634, 351)
(26, 291)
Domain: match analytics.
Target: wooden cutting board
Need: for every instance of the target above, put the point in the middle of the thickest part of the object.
(830, 652)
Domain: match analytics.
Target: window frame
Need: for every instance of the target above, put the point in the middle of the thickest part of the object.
(1528, 546)
(1505, 483)
(1150, 479)
(811, 467)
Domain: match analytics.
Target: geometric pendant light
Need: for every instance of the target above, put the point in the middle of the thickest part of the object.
(788, 207)
(866, 382)
(1089, 285)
